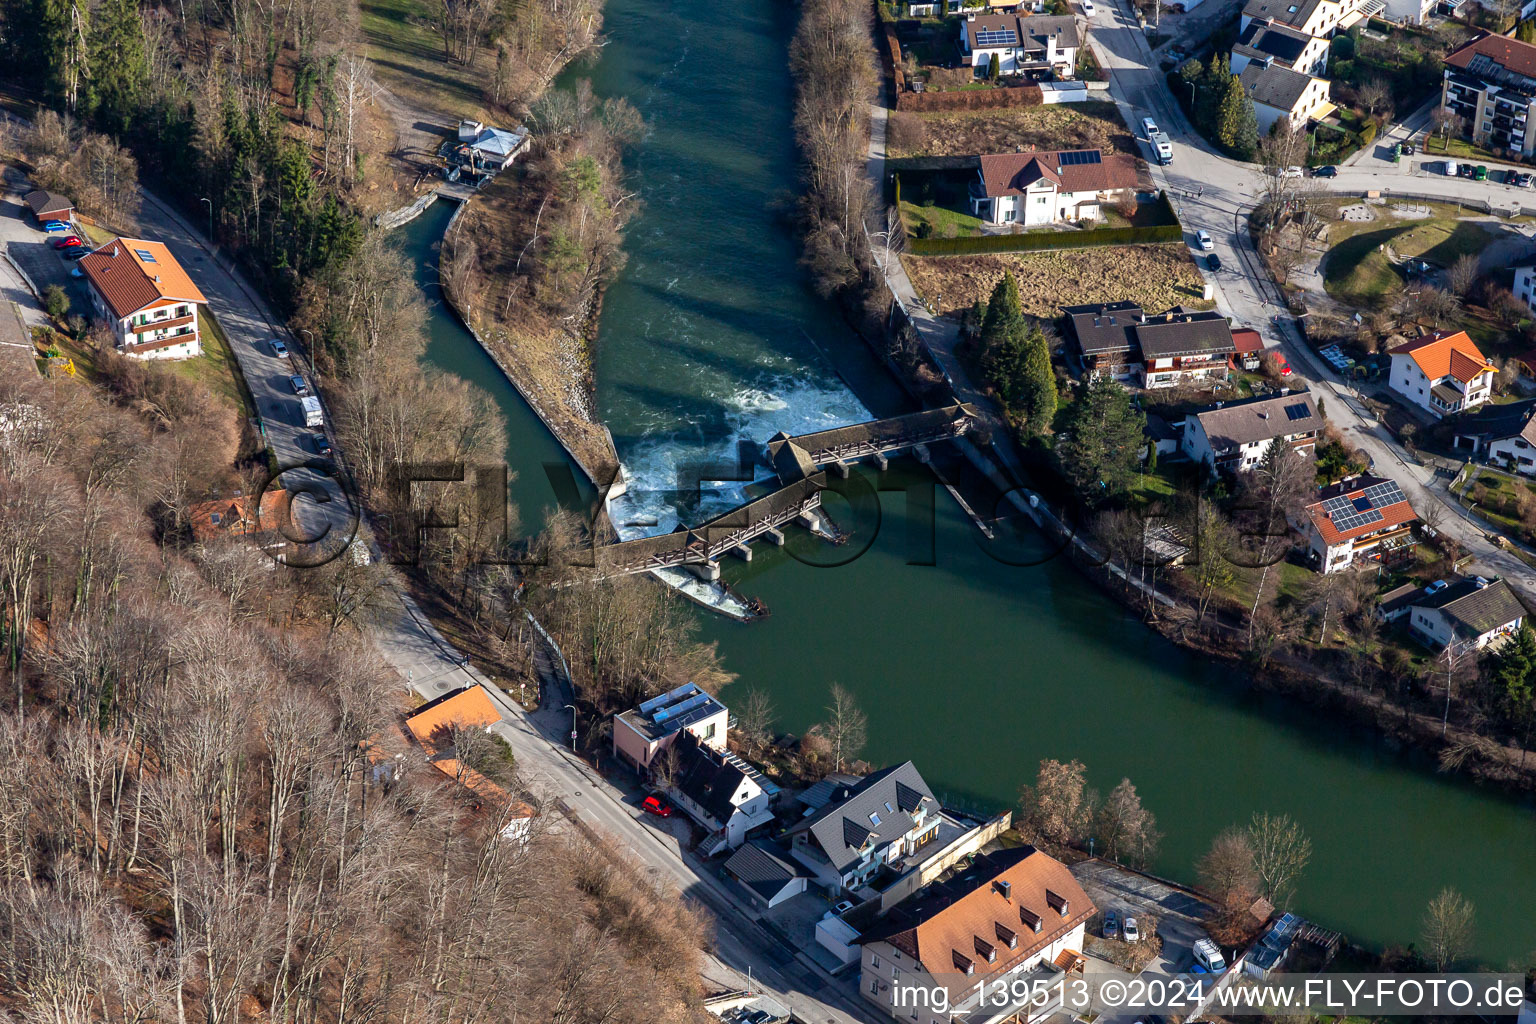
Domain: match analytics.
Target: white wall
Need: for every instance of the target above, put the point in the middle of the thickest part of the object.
(1519, 452)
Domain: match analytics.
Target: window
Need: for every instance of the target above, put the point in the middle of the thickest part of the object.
(145, 255)
(874, 961)
(874, 819)
(888, 808)
(874, 987)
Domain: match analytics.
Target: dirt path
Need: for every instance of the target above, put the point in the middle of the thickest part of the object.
(418, 132)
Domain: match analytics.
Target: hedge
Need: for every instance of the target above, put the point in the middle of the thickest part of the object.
(1044, 241)
(1367, 133)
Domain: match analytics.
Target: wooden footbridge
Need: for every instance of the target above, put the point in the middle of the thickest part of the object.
(797, 460)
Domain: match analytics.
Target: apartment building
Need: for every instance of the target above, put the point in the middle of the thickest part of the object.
(1491, 83)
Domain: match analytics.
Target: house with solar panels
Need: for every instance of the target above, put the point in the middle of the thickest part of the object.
(1039, 188)
(644, 732)
(1361, 520)
(1233, 437)
(1039, 46)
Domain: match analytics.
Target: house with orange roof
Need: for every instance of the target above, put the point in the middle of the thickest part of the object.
(139, 288)
(1442, 373)
(1358, 520)
(983, 937)
(237, 515)
(437, 727)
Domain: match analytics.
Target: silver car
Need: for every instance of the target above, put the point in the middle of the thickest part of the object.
(1132, 934)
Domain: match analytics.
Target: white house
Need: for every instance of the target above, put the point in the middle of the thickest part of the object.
(487, 150)
(1279, 92)
(1023, 44)
(1038, 188)
(721, 792)
(984, 936)
(1474, 612)
(1274, 43)
(1314, 17)
(1502, 434)
(144, 294)
(1525, 283)
(1442, 373)
(882, 819)
(1234, 436)
(642, 733)
(1358, 520)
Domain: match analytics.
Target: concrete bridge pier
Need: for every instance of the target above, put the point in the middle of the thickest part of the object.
(743, 552)
(706, 571)
(840, 468)
(922, 453)
(881, 462)
(776, 536)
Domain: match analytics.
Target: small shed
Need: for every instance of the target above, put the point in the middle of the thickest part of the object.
(1250, 348)
(768, 877)
(48, 206)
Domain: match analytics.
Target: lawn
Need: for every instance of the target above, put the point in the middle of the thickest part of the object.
(216, 367)
(1358, 271)
(407, 55)
(943, 221)
(1056, 126)
(1156, 276)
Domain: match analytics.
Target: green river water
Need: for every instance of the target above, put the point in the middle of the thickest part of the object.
(972, 668)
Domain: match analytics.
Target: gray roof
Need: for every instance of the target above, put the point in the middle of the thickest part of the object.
(1475, 607)
(759, 866)
(1184, 334)
(707, 778)
(1279, 41)
(820, 794)
(1274, 86)
(676, 709)
(878, 810)
(1259, 419)
(1289, 12)
(1104, 326)
(1496, 422)
(1031, 31)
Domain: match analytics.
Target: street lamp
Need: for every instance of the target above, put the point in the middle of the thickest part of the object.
(210, 218)
(311, 336)
(573, 727)
(1191, 97)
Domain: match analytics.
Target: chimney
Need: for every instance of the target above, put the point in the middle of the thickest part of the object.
(970, 16)
(114, 252)
(1004, 888)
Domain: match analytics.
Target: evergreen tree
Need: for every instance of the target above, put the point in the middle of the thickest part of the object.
(994, 69)
(1237, 126)
(1006, 366)
(1005, 315)
(1039, 398)
(119, 67)
(1211, 90)
(1105, 433)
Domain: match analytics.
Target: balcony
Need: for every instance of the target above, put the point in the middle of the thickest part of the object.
(160, 325)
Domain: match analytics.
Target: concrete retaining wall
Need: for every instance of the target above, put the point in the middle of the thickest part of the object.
(394, 218)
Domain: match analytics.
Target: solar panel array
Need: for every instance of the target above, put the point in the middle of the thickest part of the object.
(997, 37)
(1297, 411)
(678, 710)
(671, 696)
(1351, 513)
(1086, 156)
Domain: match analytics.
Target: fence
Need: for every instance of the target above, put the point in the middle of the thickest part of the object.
(998, 98)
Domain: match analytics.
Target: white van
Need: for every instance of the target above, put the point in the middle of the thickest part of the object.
(1208, 955)
(1450, 168)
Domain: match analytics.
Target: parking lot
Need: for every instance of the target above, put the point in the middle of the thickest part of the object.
(33, 250)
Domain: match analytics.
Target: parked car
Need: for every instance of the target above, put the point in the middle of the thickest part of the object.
(299, 384)
(1285, 366)
(279, 349)
(1208, 955)
(321, 443)
(56, 227)
(78, 252)
(1328, 171)
(1213, 261)
(1408, 149)
(842, 907)
(1088, 9)
(1132, 933)
(1111, 924)
(1464, 170)
(1291, 172)
(1479, 173)
(1203, 239)
(657, 806)
(1523, 180)
(59, 243)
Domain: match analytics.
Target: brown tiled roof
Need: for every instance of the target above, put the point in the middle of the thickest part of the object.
(1009, 174)
(233, 516)
(44, 202)
(131, 273)
(1502, 50)
(967, 917)
(1446, 354)
(1246, 339)
(432, 725)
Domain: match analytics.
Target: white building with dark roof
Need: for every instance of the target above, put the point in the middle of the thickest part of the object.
(1269, 42)
(1037, 188)
(1234, 436)
(1471, 613)
(1502, 434)
(727, 796)
(1279, 92)
(1023, 44)
(886, 817)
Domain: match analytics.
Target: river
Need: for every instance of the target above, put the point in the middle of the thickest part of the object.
(970, 667)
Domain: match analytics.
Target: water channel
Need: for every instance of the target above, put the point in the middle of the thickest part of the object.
(970, 667)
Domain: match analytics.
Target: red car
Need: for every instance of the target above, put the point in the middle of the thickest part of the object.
(657, 806)
(1285, 366)
(67, 241)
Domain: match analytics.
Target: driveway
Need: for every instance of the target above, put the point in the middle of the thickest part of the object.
(31, 248)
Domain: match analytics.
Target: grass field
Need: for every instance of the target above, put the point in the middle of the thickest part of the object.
(1156, 276)
(1058, 126)
(407, 54)
(217, 368)
(1358, 271)
(946, 222)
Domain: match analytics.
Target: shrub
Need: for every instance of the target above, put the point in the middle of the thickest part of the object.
(56, 302)
(1044, 241)
(1368, 133)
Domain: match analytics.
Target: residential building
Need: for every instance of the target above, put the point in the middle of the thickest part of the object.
(1362, 519)
(48, 206)
(1233, 437)
(765, 872)
(1025, 44)
(1491, 83)
(887, 817)
(235, 516)
(1039, 188)
(1314, 17)
(984, 936)
(1408, 12)
(146, 298)
(437, 727)
(720, 791)
(642, 733)
(1183, 347)
(1270, 42)
(1472, 613)
(1442, 373)
(1175, 347)
(1525, 284)
(1280, 92)
(1502, 434)
(1104, 342)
